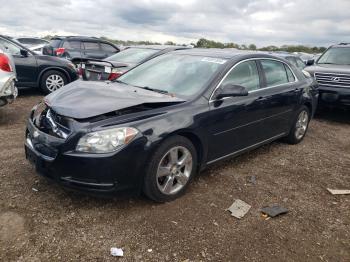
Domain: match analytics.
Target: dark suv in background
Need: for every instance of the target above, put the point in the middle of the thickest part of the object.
(39, 71)
(77, 47)
(332, 72)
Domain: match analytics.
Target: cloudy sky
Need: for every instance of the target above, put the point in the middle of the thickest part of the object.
(263, 22)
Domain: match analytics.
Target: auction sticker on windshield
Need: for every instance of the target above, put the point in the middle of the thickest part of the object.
(214, 60)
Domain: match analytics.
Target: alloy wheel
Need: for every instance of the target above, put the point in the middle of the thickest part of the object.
(54, 82)
(301, 124)
(174, 170)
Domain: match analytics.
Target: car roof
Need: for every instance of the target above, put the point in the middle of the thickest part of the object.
(159, 47)
(75, 37)
(225, 54)
(283, 54)
(341, 45)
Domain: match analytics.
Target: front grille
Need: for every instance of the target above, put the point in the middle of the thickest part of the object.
(333, 80)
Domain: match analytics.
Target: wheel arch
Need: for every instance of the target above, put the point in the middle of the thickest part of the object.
(53, 69)
(195, 140)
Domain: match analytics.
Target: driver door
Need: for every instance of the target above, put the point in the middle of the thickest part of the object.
(235, 122)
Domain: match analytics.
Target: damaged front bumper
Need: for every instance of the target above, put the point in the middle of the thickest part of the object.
(8, 92)
(96, 174)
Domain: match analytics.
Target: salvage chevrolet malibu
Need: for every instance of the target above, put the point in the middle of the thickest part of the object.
(165, 120)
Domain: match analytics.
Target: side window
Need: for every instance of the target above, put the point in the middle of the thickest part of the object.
(108, 48)
(290, 75)
(11, 48)
(245, 74)
(275, 73)
(71, 44)
(300, 64)
(91, 46)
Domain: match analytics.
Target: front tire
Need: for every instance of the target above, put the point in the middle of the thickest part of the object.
(52, 80)
(299, 127)
(170, 170)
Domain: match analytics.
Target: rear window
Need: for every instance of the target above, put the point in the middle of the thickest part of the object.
(108, 47)
(55, 43)
(91, 45)
(132, 55)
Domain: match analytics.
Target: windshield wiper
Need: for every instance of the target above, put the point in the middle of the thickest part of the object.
(327, 63)
(154, 89)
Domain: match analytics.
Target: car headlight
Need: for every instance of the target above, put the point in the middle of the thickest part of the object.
(106, 141)
(306, 73)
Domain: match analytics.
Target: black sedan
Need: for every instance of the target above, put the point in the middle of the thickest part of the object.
(165, 120)
(114, 66)
(39, 71)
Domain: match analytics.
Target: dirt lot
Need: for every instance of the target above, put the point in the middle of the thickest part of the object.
(40, 221)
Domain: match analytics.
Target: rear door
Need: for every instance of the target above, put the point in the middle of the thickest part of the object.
(26, 66)
(91, 49)
(278, 96)
(72, 49)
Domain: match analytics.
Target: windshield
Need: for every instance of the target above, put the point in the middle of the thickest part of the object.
(132, 55)
(182, 75)
(336, 55)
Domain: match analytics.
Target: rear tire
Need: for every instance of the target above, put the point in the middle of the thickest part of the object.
(299, 127)
(170, 170)
(52, 80)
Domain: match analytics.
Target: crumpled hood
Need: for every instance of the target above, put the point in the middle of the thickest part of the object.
(84, 99)
(325, 68)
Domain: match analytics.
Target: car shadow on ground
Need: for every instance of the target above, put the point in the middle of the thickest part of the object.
(338, 115)
(27, 91)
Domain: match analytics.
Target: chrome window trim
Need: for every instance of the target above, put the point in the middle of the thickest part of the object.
(253, 91)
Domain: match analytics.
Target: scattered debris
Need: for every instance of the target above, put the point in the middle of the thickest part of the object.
(117, 252)
(34, 189)
(274, 210)
(339, 191)
(239, 208)
(215, 223)
(149, 250)
(174, 222)
(251, 179)
(213, 205)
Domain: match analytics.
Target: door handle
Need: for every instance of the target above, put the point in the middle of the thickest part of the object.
(261, 98)
(296, 90)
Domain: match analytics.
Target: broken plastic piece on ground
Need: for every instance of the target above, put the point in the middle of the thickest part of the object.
(339, 191)
(274, 210)
(34, 189)
(239, 208)
(117, 252)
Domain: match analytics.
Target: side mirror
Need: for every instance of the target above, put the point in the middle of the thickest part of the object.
(24, 53)
(230, 90)
(310, 62)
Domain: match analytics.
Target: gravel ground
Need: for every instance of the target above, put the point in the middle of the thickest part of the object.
(39, 221)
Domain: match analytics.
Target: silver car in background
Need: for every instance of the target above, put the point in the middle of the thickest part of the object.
(8, 90)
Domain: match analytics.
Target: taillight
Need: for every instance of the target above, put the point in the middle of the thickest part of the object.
(60, 51)
(5, 63)
(114, 75)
